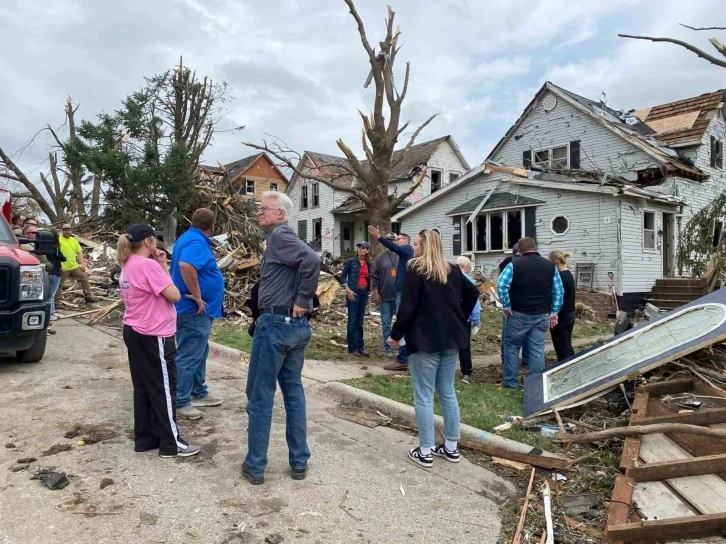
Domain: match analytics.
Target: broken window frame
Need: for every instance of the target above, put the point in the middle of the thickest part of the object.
(273, 186)
(317, 241)
(470, 234)
(436, 186)
(654, 230)
(304, 197)
(247, 186)
(544, 158)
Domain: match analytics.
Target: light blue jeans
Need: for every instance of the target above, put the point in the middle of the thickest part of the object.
(522, 329)
(192, 340)
(388, 310)
(434, 372)
(278, 355)
(54, 284)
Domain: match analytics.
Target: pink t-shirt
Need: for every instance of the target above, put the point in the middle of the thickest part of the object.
(147, 311)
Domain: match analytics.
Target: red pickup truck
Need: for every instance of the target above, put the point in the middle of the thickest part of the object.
(24, 296)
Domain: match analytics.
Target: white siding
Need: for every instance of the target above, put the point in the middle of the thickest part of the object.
(601, 150)
(641, 267)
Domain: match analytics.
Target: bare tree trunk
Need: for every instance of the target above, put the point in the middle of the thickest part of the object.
(15, 174)
(96, 197)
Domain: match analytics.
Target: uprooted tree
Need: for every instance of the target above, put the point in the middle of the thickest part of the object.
(368, 179)
(66, 195)
(697, 244)
(147, 153)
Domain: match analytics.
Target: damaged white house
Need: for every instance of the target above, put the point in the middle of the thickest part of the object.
(611, 188)
(333, 221)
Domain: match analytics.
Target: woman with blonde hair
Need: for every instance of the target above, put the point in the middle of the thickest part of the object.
(149, 293)
(562, 332)
(436, 302)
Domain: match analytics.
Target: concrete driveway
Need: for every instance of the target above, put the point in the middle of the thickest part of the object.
(361, 486)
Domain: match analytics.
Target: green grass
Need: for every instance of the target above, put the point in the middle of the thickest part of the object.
(587, 329)
(483, 406)
(232, 336)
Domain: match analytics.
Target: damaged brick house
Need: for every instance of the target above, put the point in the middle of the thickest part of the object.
(613, 188)
(333, 221)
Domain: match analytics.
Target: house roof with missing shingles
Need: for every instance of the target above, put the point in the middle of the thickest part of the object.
(496, 201)
(684, 121)
(235, 168)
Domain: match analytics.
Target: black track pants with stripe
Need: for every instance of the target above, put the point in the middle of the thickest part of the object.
(152, 361)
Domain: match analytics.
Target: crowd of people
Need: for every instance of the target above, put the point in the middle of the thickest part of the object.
(429, 312)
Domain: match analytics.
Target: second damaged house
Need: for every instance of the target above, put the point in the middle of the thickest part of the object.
(601, 184)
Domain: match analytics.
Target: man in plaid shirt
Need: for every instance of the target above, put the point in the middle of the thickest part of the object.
(531, 292)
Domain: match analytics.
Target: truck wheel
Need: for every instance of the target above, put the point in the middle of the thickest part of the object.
(35, 352)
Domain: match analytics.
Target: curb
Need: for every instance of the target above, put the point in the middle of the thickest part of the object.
(407, 414)
(218, 352)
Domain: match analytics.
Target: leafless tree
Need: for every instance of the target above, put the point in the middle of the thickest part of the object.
(369, 179)
(720, 47)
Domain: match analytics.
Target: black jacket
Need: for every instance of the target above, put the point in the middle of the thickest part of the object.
(433, 317)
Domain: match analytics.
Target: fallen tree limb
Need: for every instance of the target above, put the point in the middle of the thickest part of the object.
(551, 463)
(523, 514)
(640, 430)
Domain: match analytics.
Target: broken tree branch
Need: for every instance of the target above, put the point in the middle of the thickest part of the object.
(640, 430)
(704, 27)
(686, 45)
(523, 514)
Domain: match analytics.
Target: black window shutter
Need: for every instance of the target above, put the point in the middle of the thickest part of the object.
(530, 220)
(575, 154)
(457, 243)
(713, 152)
(527, 158)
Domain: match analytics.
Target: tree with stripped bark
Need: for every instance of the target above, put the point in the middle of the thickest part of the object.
(372, 175)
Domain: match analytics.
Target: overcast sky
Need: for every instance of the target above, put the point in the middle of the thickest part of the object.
(297, 67)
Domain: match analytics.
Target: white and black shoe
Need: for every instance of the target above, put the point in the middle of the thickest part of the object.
(441, 451)
(426, 461)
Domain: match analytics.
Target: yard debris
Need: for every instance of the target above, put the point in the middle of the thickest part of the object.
(580, 503)
(552, 463)
(50, 478)
(506, 463)
(55, 449)
(525, 504)
(547, 498)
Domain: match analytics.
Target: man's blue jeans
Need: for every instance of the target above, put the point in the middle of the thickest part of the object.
(434, 372)
(278, 355)
(388, 310)
(525, 346)
(192, 340)
(520, 329)
(402, 354)
(54, 284)
(356, 316)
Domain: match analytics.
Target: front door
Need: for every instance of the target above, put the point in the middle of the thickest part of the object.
(346, 237)
(668, 231)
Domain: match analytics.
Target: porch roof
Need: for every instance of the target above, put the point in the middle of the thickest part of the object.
(496, 201)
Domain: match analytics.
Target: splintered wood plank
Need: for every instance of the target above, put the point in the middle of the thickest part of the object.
(706, 493)
(631, 447)
(669, 387)
(655, 500)
(670, 529)
(692, 466)
(695, 445)
(701, 417)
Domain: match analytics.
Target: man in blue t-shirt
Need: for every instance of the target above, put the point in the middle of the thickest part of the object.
(195, 273)
(402, 248)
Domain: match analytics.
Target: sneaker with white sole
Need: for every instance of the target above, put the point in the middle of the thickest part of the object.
(183, 452)
(466, 378)
(189, 412)
(426, 461)
(53, 317)
(206, 402)
(442, 451)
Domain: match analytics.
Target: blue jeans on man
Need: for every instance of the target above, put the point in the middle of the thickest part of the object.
(525, 346)
(192, 338)
(278, 355)
(356, 316)
(435, 372)
(402, 354)
(520, 330)
(388, 310)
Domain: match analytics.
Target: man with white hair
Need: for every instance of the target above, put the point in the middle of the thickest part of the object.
(288, 281)
(474, 322)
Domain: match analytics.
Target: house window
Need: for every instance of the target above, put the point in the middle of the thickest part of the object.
(250, 186)
(273, 186)
(560, 225)
(396, 227)
(318, 234)
(316, 195)
(556, 158)
(716, 153)
(453, 176)
(302, 230)
(304, 197)
(649, 231)
(491, 231)
(716, 232)
(435, 180)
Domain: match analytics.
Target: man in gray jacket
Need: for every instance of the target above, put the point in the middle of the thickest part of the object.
(288, 281)
(383, 288)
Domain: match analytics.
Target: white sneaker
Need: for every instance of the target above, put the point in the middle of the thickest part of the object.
(54, 317)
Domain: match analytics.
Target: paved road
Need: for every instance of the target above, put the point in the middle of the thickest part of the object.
(352, 494)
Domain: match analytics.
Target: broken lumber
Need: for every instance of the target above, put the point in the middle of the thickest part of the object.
(669, 529)
(523, 514)
(703, 417)
(639, 430)
(678, 468)
(530, 459)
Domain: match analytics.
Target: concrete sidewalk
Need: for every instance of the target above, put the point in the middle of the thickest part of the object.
(361, 486)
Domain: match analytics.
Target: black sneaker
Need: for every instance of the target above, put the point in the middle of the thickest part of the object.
(441, 451)
(254, 480)
(426, 461)
(298, 473)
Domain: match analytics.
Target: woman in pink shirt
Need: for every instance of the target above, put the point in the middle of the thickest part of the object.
(149, 327)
